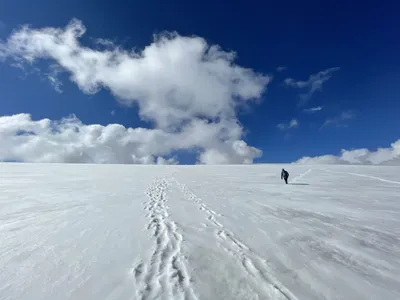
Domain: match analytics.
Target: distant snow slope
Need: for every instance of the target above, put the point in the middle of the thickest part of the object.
(199, 232)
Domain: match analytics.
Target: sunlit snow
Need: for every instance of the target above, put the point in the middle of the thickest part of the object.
(199, 232)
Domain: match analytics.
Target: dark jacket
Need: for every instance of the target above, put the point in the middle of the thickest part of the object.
(284, 174)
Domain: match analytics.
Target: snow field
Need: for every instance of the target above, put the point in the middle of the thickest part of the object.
(199, 232)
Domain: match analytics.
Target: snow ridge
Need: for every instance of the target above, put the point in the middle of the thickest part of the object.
(255, 267)
(165, 275)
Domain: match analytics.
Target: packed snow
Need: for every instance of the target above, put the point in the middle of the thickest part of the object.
(199, 232)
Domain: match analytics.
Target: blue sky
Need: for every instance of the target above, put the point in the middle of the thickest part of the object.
(347, 51)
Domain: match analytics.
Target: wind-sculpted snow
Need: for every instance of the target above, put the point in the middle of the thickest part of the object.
(199, 232)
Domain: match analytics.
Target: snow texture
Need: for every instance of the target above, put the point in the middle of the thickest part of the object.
(199, 232)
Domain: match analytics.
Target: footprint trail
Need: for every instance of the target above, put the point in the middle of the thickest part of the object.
(164, 276)
(256, 268)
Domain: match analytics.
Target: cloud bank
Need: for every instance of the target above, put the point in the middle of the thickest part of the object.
(71, 141)
(190, 91)
(382, 156)
(313, 84)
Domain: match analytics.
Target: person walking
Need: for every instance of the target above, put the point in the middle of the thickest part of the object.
(285, 175)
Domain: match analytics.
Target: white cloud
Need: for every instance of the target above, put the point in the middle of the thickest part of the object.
(382, 156)
(319, 160)
(313, 109)
(281, 68)
(163, 161)
(55, 82)
(52, 77)
(292, 124)
(113, 112)
(172, 80)
(71, 141)
(313, 84)
(190, 90)
(339, 120)
(237, 148)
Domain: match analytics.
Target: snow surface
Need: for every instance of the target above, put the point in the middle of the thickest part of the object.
(199, 232)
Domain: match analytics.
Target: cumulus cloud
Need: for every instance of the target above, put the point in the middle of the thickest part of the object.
(313, 110)
(313, 84)
(340, 119)
(292, 124)
(70, 141)
(189, 90)
(382, 156)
